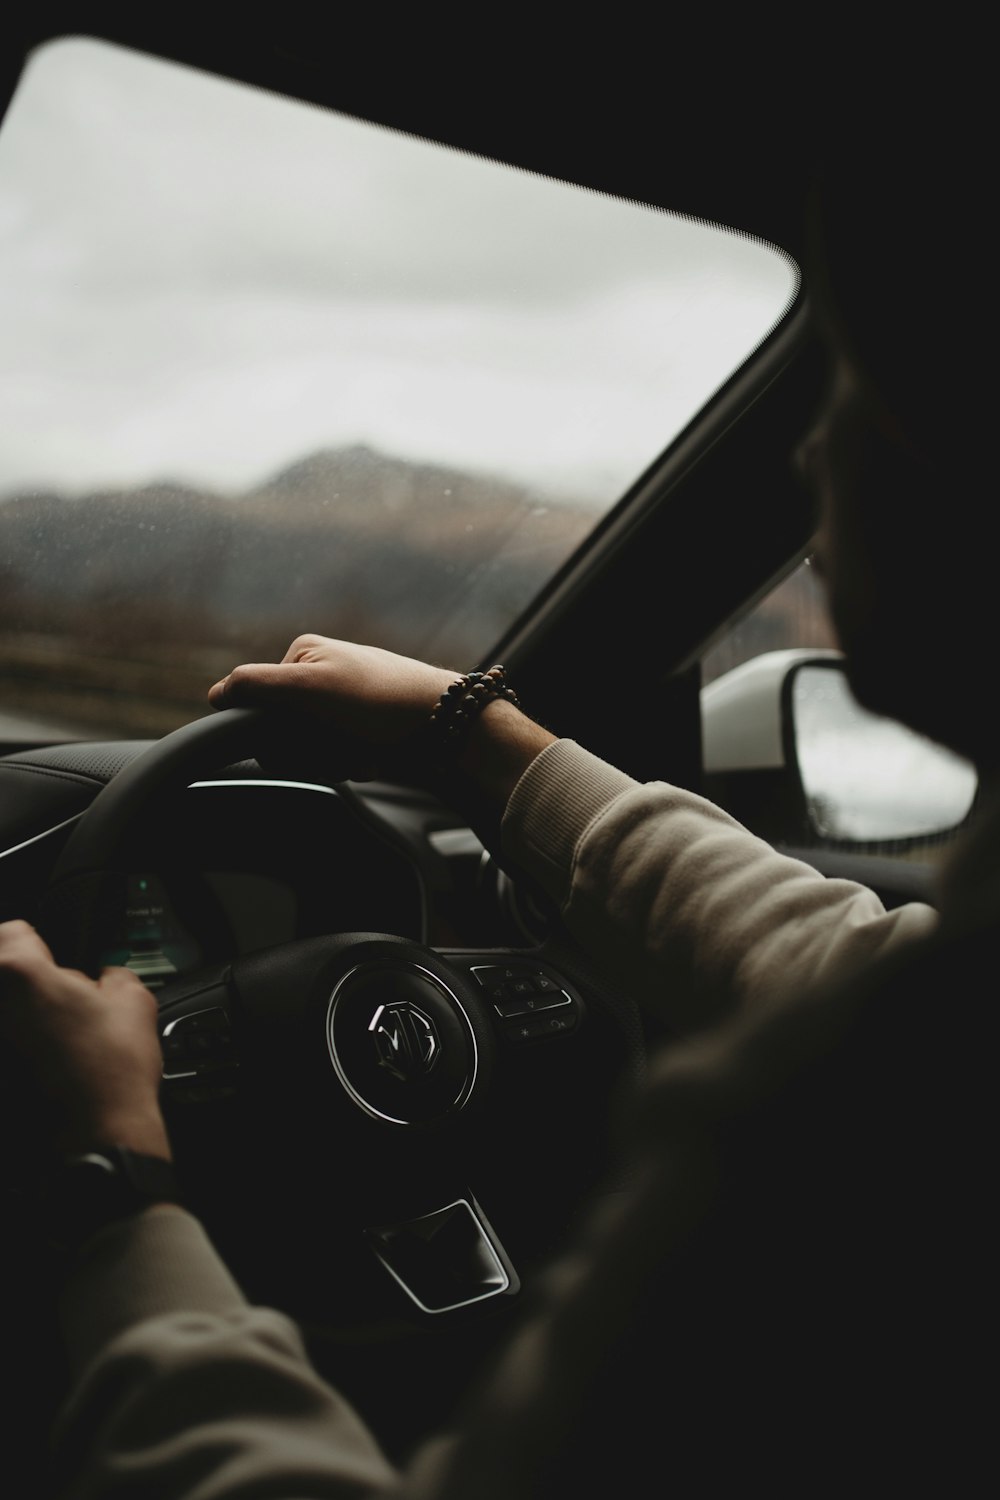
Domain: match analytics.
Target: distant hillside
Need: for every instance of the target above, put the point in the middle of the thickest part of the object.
(417, 557)
(337, 535)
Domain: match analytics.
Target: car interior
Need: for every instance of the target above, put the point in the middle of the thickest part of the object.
(393, 1079)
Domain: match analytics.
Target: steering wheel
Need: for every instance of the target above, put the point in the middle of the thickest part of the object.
(363, 1122)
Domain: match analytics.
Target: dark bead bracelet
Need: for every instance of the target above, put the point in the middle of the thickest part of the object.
(459, 704)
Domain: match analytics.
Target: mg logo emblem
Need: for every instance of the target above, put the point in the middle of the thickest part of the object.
(406, 1040)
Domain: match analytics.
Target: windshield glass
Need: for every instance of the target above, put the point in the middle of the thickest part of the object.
(268, 369)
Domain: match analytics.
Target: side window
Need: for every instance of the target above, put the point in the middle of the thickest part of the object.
(794, 614)
(790, 752)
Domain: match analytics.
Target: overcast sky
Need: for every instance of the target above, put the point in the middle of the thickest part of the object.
(203, 282)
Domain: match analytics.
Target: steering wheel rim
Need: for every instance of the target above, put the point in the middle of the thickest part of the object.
(86, 895)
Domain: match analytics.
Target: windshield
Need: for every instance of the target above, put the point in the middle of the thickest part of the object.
(269, 369)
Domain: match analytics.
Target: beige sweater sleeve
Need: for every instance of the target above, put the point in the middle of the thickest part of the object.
(694, 914)
(182, 1388)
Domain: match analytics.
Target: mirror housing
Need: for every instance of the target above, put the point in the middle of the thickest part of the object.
(788, 750)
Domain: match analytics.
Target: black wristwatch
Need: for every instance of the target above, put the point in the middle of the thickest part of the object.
(85, 1193)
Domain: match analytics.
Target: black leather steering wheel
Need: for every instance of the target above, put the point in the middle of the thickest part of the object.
(421, 1119)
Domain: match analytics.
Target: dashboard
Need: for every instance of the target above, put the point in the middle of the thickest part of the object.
(242, 862)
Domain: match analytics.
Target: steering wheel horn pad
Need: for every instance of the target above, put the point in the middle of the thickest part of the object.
(401, 1042)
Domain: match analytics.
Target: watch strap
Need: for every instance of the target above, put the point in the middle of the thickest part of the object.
(90, 1190)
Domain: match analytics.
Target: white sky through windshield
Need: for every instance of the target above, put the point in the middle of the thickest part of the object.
(204, 283)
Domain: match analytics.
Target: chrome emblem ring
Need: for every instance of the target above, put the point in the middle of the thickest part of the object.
(401, 1042)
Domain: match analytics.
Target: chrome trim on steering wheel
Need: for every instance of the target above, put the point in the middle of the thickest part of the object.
(469, 1083)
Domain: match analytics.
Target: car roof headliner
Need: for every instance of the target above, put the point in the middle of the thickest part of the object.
(715, 124)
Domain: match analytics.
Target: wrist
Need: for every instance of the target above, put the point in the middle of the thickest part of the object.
(141, 1131)
(501, 744)
(87, 1192)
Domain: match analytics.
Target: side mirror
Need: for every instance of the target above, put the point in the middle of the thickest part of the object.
(790, 752)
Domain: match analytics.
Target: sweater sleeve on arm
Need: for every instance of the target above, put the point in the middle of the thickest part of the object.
(699, 916)
(182, 1389)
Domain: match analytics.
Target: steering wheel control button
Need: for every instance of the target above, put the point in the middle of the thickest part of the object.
(530, 1002)
(543, 984)
(493, 979)
(531, 1005)
(401, 1042)
(199, 1055)
(530, 1028)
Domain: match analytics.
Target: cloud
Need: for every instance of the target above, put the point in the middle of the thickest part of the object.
(202, 276)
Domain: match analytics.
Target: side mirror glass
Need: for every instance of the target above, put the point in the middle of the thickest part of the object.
(864, 778)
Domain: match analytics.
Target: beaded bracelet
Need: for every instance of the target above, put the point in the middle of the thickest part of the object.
(459, 704)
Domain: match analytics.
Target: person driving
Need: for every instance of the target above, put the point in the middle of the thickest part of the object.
(795, 1290)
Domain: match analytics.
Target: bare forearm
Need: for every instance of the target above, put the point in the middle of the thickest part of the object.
(500, 747)
(501, 744)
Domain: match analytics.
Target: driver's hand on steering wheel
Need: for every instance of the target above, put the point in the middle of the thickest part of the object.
(379, 705)
(82, 1056)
